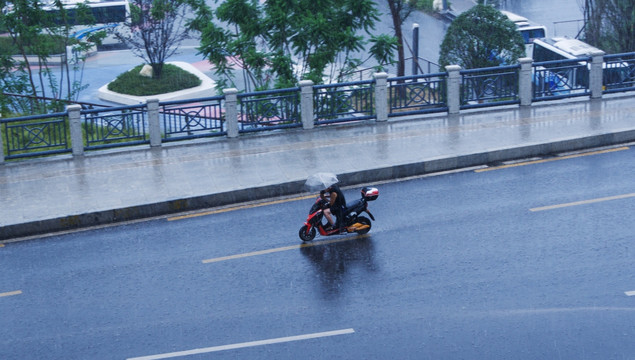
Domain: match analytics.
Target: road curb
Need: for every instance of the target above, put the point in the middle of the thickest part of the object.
(423, 167)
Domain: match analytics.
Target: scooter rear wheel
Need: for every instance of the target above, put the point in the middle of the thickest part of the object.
(365, 221)
(307, 235)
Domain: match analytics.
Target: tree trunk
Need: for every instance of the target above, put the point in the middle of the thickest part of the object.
(157, 69)
(395, 9)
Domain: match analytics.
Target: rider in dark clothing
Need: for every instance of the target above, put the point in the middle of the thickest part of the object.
(337, 204)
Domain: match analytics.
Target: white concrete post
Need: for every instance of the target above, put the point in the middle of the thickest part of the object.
(525, 83)
(596, 74)
(454, 89)
(381, 96)
(306, 104)
(75, 120)
(231, 112)
(153, 122)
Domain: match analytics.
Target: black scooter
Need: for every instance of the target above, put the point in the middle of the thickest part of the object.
(353, 222)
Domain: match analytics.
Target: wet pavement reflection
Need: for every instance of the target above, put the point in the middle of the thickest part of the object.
(334, 264)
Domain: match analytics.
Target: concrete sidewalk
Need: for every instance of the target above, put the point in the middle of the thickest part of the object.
(61, 193)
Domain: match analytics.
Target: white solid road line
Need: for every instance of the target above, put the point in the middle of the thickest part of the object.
(245, 344)
(11, 293)
(584, 202)
(285, 248)
(630, 293)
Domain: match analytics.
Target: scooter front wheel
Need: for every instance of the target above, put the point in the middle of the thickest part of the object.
(307, 235)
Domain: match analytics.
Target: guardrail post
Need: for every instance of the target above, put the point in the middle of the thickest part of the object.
(596, 74)
(75, 120)
(525, 84)
(306, 104)
(231, 112)
(153, 122)
(381, 96)
(454, 89)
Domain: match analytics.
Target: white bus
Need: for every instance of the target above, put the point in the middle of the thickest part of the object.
(527, 29)
(565, 48)
(107, 15)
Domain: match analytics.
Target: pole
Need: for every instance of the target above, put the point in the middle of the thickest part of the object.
(415, 48)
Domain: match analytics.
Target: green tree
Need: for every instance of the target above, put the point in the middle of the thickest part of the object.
(59, 26)
(24, 23)
(155, 30)
(13, 80)
(481, 37)
(34, 31)
(610, 25)
(278, 42)
(383, 49)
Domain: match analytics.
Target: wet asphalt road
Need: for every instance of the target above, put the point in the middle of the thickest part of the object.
(469, 265)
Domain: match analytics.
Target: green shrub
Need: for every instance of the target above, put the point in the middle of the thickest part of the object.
(6, 46)
(173, 78)
(56, 44)
(425, 5)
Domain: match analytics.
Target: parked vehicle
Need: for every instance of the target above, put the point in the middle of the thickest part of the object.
(528, 30)
(549, 51)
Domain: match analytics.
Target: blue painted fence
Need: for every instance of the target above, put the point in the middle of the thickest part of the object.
(40, 135)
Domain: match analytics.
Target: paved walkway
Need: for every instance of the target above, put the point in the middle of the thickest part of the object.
(39, 196)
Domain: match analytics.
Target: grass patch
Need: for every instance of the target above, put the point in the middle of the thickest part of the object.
(55, 44)
(173, 78)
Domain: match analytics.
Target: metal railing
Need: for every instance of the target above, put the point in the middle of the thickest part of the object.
(618, 72)
(561, 78)
(188, 119)
(115, 126)
(351, 101)
(419, 94)
(21, 103)
(424, 66)
(269, 110)
(36, 135)
(492, 86)
(310, 105)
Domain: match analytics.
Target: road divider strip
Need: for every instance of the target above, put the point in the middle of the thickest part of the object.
(245, 344)
(280, 249)
(533, 162)
(583, 202)
(10, 293)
